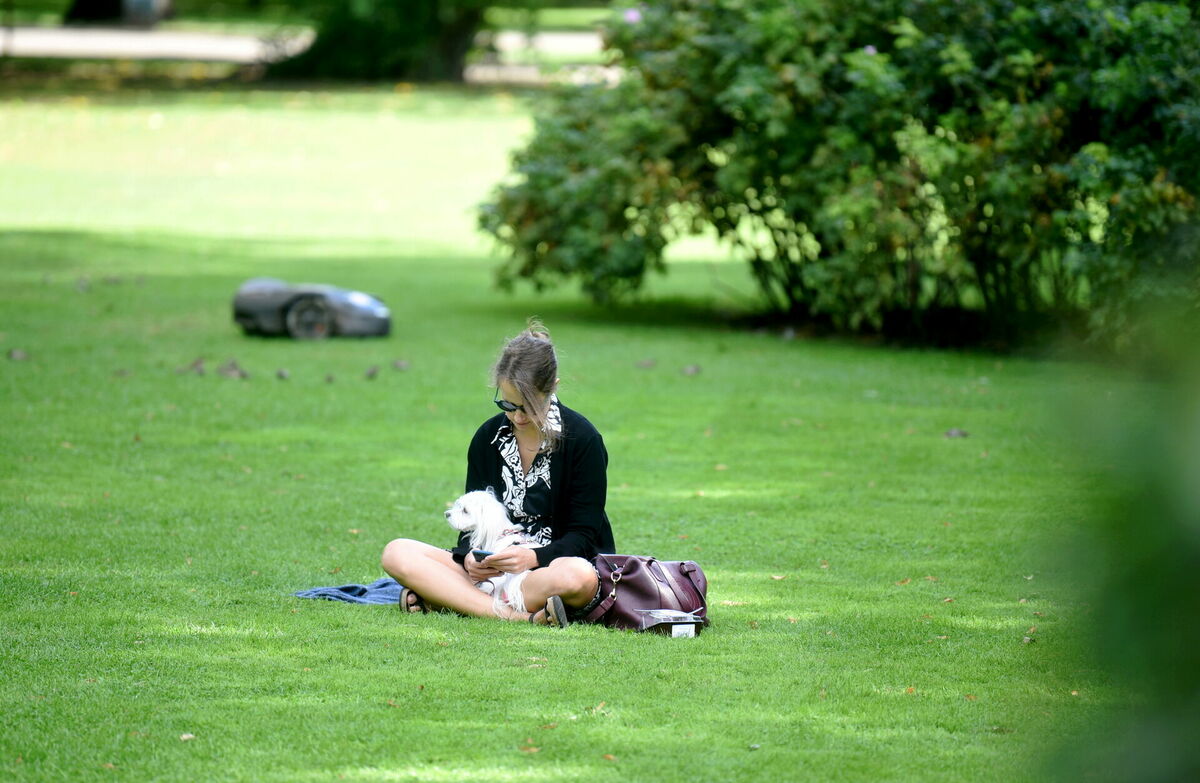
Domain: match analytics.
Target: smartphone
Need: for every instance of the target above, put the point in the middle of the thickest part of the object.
(480, 554)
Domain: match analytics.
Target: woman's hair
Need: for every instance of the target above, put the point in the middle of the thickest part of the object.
(530, 364)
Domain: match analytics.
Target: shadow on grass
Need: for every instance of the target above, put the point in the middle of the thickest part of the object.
(126, 83)
(418, 281)
(399, 273)
(667, 312)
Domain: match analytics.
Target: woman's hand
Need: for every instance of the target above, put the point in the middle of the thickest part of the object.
(476, 570)
(512, 560)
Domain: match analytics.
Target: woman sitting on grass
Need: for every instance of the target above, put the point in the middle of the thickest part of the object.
(550, 464)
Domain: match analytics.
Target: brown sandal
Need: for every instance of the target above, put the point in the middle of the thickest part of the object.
(555, 613)
(414, 606)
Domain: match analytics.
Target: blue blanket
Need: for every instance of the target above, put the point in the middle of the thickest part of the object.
(381, 591)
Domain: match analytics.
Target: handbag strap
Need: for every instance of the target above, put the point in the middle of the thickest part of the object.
(607, 602)
(676, 584)
(696, 579)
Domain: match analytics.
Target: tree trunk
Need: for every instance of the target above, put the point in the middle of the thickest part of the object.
(94, 11)
(455, 41)
(139, 12)
(410, 40)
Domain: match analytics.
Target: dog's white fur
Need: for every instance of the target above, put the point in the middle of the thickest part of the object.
(486, 519)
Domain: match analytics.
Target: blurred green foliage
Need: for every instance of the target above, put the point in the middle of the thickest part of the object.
(1143, 555)
(881, 165)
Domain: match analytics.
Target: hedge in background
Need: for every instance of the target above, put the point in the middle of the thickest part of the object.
(883, 163)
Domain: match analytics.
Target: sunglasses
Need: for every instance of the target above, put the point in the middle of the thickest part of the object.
(506, 406)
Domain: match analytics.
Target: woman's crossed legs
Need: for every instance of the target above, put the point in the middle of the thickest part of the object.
(431, 573)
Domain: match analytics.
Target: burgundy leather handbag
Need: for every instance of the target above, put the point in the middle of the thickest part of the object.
(647, 594)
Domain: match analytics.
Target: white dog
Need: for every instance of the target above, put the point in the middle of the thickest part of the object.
(486, 519)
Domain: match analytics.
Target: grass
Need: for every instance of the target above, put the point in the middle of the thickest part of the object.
(548, 19)
(871, 581)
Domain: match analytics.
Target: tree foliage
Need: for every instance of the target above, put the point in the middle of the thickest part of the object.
(882, 162)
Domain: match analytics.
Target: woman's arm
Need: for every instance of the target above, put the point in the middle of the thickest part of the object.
(477, 478)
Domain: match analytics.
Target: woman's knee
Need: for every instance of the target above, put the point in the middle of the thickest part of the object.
(574, 574)
(397, 553)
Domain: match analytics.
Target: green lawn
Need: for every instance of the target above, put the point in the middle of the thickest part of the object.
(873, 584)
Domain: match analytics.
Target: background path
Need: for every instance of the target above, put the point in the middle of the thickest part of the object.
(122, 43)
(132, 44)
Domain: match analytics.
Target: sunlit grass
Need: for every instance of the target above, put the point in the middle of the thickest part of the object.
(156, 521)
(564, 19)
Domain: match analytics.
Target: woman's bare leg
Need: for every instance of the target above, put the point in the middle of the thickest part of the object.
(433, 575)
(571, 578)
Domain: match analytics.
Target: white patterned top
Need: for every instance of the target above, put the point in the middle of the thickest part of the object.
(526, 494)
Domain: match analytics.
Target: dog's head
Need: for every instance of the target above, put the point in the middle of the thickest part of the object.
(480, 513)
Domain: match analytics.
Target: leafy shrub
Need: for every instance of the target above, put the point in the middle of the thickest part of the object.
(584, 206)
(881, 162)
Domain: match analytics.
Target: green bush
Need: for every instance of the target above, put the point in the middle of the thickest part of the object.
(1141, 554)
(882, 163)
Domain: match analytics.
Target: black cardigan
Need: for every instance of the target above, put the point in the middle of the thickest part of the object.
(578, 487)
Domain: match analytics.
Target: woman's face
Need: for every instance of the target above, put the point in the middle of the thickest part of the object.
(520, 419)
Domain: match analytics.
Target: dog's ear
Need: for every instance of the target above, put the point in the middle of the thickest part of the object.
(492, 491)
